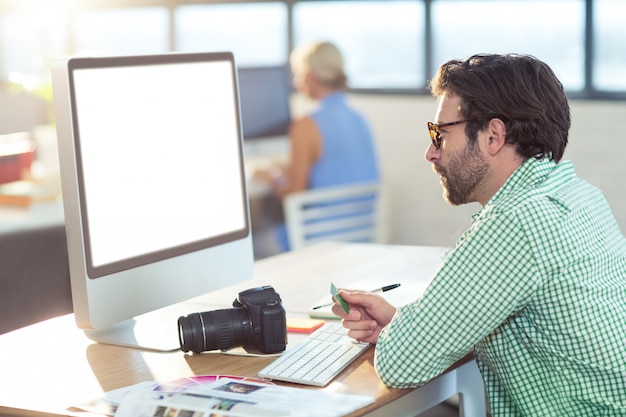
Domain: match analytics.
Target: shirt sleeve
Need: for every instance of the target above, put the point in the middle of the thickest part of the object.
(488, 277)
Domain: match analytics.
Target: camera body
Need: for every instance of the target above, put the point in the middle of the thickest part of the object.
(256, 320)
(269, 325)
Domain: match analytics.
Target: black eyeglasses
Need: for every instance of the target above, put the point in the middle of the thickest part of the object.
(435, 133)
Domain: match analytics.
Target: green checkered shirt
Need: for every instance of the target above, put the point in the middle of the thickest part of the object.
(537, 286)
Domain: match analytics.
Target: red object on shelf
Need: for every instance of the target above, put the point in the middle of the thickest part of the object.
(17, 153)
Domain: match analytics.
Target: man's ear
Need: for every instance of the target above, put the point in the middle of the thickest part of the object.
(496, 139)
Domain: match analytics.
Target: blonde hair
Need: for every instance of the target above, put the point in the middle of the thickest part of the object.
(324, 60)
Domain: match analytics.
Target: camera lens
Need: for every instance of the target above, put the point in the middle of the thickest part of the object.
(218, 329)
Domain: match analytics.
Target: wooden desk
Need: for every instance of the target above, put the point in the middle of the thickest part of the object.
(50, 366)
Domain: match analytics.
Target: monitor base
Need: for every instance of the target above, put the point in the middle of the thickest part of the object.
(139, 335)
(155, 331)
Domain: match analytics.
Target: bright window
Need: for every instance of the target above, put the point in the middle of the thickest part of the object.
(609, 71)
(382, 41)
(142, 30)
(256, 33)
(29, 41)
(551, 30)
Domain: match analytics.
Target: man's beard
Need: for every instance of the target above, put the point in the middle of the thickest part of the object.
(464, 173)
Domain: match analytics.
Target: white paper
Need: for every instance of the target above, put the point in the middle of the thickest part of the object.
(227, 397)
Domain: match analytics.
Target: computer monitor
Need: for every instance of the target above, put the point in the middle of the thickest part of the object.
(264, 94)
(154, 192)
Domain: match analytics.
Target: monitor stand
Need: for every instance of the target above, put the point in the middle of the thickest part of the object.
(155, 331)
(134, 334)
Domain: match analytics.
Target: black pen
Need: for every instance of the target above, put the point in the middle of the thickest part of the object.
(377, 290)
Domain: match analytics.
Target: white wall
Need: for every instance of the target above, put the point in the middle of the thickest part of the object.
(418, 213)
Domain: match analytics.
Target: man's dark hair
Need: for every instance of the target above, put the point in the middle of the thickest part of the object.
(520, 90)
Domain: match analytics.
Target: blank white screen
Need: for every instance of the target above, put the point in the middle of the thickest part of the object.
(160, 160)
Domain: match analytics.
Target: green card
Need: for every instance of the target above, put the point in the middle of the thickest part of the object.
(335, 293)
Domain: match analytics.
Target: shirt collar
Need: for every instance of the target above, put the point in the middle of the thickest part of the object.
(532, 172)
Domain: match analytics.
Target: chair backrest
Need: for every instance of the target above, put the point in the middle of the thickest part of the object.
(348, 213)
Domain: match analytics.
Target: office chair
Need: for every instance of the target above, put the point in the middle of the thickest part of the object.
(347, 213)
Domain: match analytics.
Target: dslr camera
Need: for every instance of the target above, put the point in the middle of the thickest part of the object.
(257, 320)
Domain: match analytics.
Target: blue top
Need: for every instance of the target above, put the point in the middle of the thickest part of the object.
(348, 153)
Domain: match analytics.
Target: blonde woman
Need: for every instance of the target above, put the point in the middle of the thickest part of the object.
(331, 146)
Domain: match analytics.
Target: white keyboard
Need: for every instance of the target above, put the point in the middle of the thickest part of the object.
(317, 359)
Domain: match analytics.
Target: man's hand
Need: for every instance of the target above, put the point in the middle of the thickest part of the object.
(369, 313)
